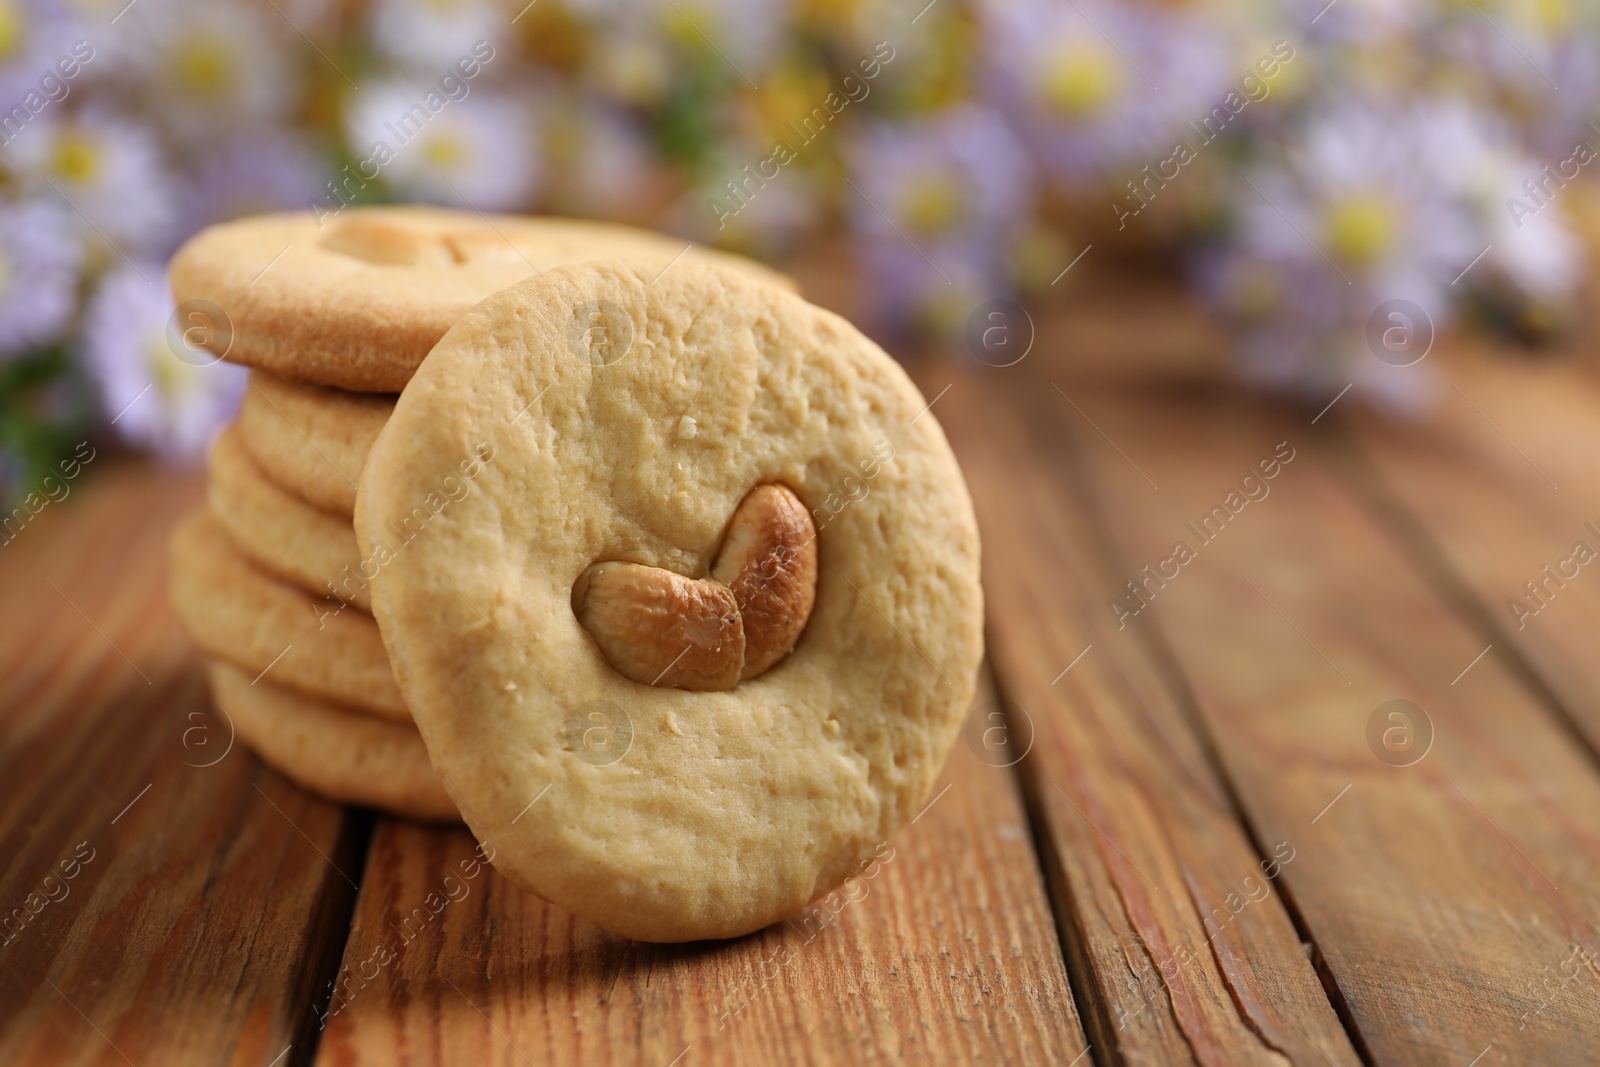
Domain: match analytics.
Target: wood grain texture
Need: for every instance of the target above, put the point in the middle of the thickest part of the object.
(1500, 484)
(186, 908)
(1187, 953)
(945, 954)
(1451, 901)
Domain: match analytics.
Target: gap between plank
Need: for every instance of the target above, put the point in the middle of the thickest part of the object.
(1070, 941)
(331, 927)
(1065, 450)
(1370, 490)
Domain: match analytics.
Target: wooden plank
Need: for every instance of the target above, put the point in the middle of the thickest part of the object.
(1440, 895)
(171, 912)
(1183, 949)
(1500, 484)
(947, 954)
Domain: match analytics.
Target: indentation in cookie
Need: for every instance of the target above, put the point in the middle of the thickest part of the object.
(392, 242)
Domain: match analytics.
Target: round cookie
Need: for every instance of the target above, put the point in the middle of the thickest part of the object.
(344, 755)
(667, 814)
(356, 299)
(278, 531)
(311, 440)
(238, 613)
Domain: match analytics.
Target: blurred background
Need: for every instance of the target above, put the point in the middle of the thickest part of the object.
(1304, 183)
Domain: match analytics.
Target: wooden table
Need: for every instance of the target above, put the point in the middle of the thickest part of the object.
(1224, 844)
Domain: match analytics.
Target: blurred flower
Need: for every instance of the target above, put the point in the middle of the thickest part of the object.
(1478, 161)
(737, 208)
(109, 171)
(631, 66)
(430, 35)
(204, 70)
(1359, 209)
(746, 36)
(263, 170)
(171, 404)
(476, 152)
(734, 39)
(937, 204)
(1370, 24)
(314, 18)
(1544, 58)
(39, 258)
(33, 35)
(1092, 86)
(929, 69)
(600, 155)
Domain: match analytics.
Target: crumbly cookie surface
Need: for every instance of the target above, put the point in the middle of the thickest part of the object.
(341, 753)
(358, 300)
(279, 531)
(237, 612)
(602, 413)
(309, 439)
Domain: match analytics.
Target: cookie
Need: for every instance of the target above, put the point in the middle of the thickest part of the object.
(273, 630)
(356, 300)
(343, 754)
(278, 531)
(311, 440)
(601, 432)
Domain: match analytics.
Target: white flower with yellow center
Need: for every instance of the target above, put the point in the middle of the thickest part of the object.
(204, 70)
(1095, 87)
(39, 260)
(1361, 205)
(163, 394)
(938, 203)
(107, 170)
(1364, 206)
(1081, 80)
(480, 151)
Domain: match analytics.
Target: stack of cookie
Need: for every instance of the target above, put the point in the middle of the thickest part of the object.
(334, 317)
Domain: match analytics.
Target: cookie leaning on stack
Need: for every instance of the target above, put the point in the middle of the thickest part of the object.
(714, 598)
(268, 577)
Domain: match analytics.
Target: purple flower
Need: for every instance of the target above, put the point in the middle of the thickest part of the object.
(936, 203)
(479, 152)
(39, 261)
(202, 71)
(34, 34)
(108, 169)
(1094, 86)
(262, 170)
(1359, 209)
(157, 391)
(1362, 206)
